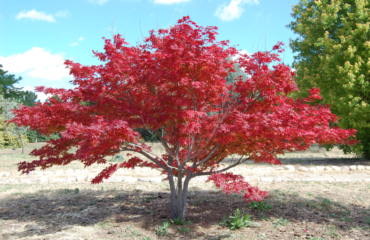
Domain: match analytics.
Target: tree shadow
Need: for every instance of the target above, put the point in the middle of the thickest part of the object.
(53, 211)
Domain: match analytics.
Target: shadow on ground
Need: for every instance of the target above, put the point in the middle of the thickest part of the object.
(51, 211)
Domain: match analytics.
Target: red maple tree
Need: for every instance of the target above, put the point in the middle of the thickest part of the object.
(175, 82)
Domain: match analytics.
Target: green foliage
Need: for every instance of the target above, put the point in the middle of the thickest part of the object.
(261, 206)
(10, 134)
(6, 85)
(184, 230)
(178, 221)
(237, 221)
(367, 220)
(34, 135)
(162, 230)
(7, 139)
(8, 91)
(148, 136)
(333, 55)
(281, 221)
(233, 75)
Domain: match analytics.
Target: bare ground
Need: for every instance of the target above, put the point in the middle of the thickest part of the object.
(300, 210)
(133, 211)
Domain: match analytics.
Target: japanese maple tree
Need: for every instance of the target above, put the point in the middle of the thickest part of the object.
(175, 82)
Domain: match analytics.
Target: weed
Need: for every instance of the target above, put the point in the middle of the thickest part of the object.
(117, 197)
(316, 238)
(136, 233)
(184, 230)
(198, 201)
(146, 238)
(103, 225)
(128, 228)
(238, 221)
(332, 232)
(281, 221)
(309, 194)
(326, 203)
(93, 202)
(298, 204)
(26, 206)
(178, 221)
(262, 216)
(162, 230)
(261, 206)
(346, 219)
(150, 211)
(357, 228)
(312, 204)
(147, 199)
(187, 222)
(367, 220)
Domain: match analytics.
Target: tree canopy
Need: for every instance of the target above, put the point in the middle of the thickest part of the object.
(333, 54)
(10, 134)
(9, 91)
(175, 82)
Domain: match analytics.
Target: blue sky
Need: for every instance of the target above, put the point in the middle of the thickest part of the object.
(38, 35)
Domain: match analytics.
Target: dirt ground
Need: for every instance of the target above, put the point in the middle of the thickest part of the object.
(298, 210)
(133, 211)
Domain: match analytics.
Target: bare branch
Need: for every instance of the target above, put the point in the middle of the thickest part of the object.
(188, 156)
(146, 154)
(221, 170)
(209, 156)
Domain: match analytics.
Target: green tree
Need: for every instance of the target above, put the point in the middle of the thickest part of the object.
(9, 91)
(29, 98)
(233, 75)
(9, 132)
(7, 82)
(334, 55)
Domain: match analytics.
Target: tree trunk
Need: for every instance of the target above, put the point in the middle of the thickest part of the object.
(179, 196)
(20, 138)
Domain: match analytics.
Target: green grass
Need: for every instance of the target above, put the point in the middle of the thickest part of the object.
(281, 221)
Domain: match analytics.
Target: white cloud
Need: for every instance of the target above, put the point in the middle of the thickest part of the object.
(62, 13)
(40, 95)
(37, 63)
(169, 1)
(100, 2)
(240, 52)
(76, 43)
(35, 15)
(233, 10)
